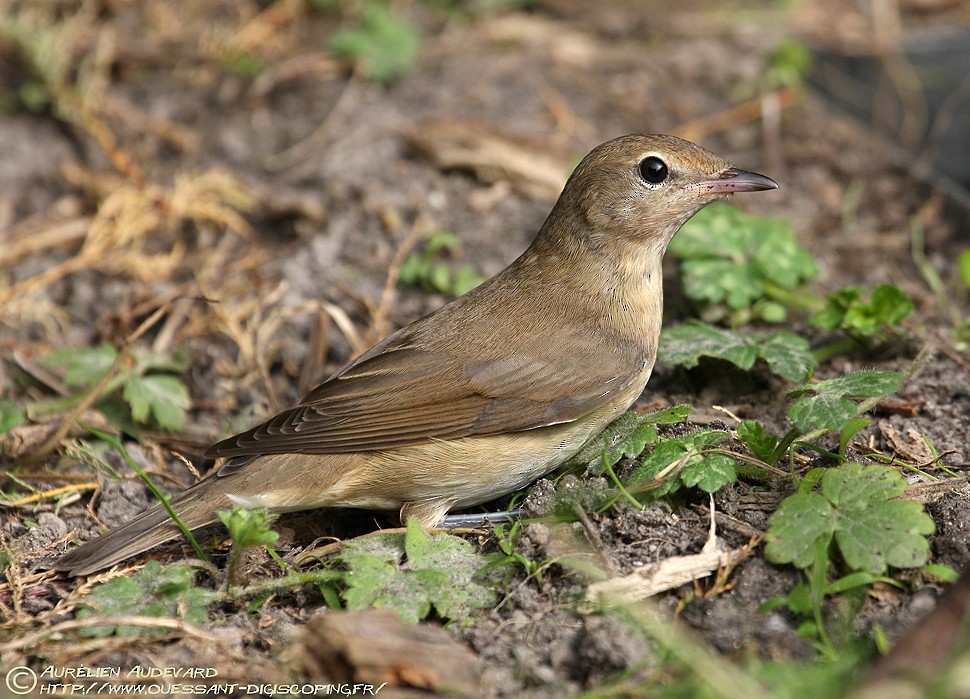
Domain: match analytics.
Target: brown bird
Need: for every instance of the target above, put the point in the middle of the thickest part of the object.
(489, 392)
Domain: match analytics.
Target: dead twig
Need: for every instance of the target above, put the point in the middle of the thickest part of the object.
(667, 574)
(379, 327)
(596, 540)
(752, 110)
(50, 494)
(37, 235)
(533, 166)
(151, 622)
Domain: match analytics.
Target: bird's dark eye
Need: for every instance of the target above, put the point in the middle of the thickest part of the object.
(653, 170)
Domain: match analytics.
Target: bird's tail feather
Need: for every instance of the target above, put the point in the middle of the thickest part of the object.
(147, 530)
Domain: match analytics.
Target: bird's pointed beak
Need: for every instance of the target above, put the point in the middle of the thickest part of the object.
(734, 180)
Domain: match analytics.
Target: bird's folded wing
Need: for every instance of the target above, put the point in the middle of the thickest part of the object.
(397, 395)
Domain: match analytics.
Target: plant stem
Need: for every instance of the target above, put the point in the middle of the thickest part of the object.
(842, 346)
(793, 299)
(119, 447)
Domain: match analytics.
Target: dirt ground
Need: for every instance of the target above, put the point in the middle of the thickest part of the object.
(338, 177)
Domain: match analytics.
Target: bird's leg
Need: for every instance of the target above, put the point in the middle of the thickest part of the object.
(480, 519)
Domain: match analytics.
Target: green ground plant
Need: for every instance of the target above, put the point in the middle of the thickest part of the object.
(247, 528)
(508, 556)
(846, 528)
(428, 268)
(414, 573)
(785, 354)
(147, 391)
(154, 591)
(382, 44)
(961, 331)
(740, 269)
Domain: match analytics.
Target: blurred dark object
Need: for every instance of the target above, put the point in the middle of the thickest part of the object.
(373, 646)
(931, 657)
(917, 94)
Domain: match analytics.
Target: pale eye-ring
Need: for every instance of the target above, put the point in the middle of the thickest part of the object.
(653, 170)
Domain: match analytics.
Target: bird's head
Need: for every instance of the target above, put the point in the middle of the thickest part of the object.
(643, 188)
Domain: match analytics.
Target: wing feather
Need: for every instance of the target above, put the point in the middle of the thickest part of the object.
(398, 394)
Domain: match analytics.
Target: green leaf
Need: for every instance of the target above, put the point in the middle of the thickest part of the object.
(249, 527)
(889, 305)
(684, 345)
(963, 264)
(857, 579)
(846, 310)
(811, 479)
(412, 270)
(941, 572)
(372, 580)
(855, 486)
(788, 65)
(709, 472)
(779, 258)
(443, 241)
(786, 354)
(822, 412)
(769, 311)
(465, 279)
(752, 433)
(826, 405)
(716, 281)
(799, 522)
(151, 591)
(730, 257)
(163, 397)
(836, 305)
(849, 430)
(673, 415)
(11, 415)
(439, 277)
(384, 46)
(440, 573)
(800, 599)
(876, 530)
(423, 268)
(453, 560)
(81, 366)
(867, 383)
(889, 534)
(628, 435)
(857, 507)
(148, 395)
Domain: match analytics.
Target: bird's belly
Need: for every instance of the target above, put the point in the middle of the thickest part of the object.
(454, 473)
(468, 471)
